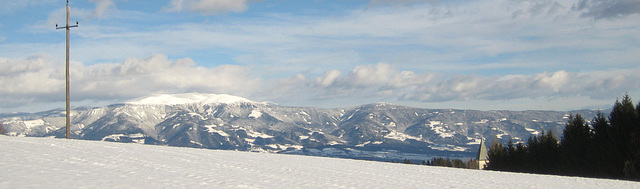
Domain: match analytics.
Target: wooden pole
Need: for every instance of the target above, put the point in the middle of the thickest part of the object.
(68, 104)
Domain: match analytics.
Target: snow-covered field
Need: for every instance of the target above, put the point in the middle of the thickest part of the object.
(59, 163)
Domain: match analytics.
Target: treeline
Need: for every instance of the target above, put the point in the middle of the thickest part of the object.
(457, 163)
(606, 148)
(447, 162)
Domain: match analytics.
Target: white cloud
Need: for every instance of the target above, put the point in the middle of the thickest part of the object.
(101, 7)
(328, 78)
(451, 51)
(386, 81)
(33, 80)
(447, 36)
(208, 7)
(37, 79)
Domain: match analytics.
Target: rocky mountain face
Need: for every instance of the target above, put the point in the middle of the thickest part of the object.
(374, 131)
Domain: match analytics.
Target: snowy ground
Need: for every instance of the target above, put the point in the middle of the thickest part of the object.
(59, 163)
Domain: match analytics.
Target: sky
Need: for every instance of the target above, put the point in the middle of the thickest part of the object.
(461, 54)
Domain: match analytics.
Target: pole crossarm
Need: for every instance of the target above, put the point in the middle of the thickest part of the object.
(67, 27)
(68, 104)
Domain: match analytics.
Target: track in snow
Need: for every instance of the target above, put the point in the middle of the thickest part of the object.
(58, 163)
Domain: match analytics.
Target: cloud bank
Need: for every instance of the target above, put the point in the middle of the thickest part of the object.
(420, 52)
(37, 79)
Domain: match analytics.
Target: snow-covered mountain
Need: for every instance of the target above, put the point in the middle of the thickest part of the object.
(374, 131)
(188, 98)
(59, 163)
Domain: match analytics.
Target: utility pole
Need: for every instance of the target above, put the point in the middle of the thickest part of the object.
(67, 71)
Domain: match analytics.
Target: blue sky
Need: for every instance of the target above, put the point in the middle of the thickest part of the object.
(494, 54)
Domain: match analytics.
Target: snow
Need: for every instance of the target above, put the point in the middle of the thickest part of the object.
(532, 131)
(400, 136)
(303, 113)
(283, 147)
(60, 163)
(363, 144)
(137, 137)
(448, 147)
(33, 123)
(210, 129)
(482, 121)
(188, 98)
(436, 126)
(474, 141)
(257, 134)
(255, 114)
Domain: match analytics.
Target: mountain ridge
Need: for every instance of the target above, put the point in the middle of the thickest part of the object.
(380, 131)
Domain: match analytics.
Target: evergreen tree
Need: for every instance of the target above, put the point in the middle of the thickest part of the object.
(600, 128)
(2, 131)
(623, 120)
(632, 165)
(542, 153)
(497, 156)
(600, 155)
(610, 148)
(574, 145)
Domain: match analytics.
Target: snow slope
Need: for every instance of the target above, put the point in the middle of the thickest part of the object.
(188, 98)
(59, 163)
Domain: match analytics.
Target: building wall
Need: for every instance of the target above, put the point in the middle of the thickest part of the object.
(482, 164)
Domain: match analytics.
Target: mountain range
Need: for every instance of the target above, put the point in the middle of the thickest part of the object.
(377, 131)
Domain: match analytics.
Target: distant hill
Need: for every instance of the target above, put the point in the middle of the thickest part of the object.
(374, 131)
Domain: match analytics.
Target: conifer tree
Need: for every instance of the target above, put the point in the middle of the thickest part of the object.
(609, 148)
(575, 143)
(497, 156)
(632, 165)
(600, 154)
(600, 128)
(623, 120)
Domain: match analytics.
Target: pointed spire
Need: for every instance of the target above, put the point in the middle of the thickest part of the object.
(483, 155)
(482, 151)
